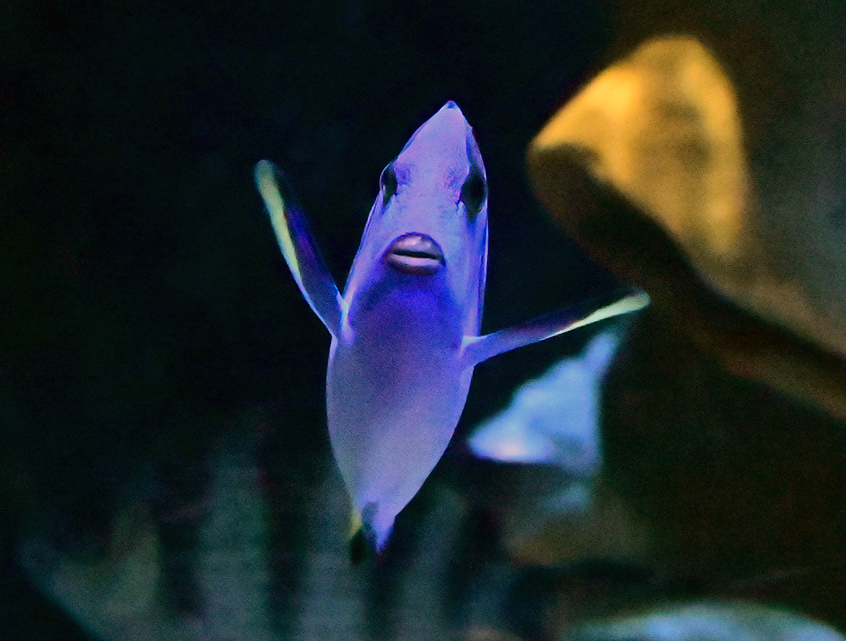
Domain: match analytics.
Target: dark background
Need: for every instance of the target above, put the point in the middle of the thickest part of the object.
(142, 295)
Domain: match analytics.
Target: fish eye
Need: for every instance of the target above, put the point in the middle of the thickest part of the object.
(388, 183)
(474, 193)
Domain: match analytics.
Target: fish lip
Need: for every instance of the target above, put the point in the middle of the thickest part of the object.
(416, 254)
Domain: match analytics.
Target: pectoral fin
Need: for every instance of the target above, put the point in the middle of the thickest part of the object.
(481, 348)
(299, 249)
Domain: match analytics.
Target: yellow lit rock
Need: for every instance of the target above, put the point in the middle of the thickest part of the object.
(648, 168)
(662, 126)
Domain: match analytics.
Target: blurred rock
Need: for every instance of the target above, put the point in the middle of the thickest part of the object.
(487, 634)
(742, 487)
(651, 168)
(704, 164)
(708, 622)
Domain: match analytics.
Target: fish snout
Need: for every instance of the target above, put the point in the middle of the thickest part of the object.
(416, 254)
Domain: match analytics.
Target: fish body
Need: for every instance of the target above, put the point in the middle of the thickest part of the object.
(396, 382)
(405, 332)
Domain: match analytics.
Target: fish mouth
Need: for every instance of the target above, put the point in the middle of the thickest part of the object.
(416, 254)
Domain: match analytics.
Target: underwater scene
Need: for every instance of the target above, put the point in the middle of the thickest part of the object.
(393, 321)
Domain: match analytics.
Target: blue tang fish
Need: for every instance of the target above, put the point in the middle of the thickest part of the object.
(405, 332)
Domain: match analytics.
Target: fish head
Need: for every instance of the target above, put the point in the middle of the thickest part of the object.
(430, 219)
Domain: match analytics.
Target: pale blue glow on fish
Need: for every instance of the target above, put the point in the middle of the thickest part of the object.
(405, 333)
(553, 419)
